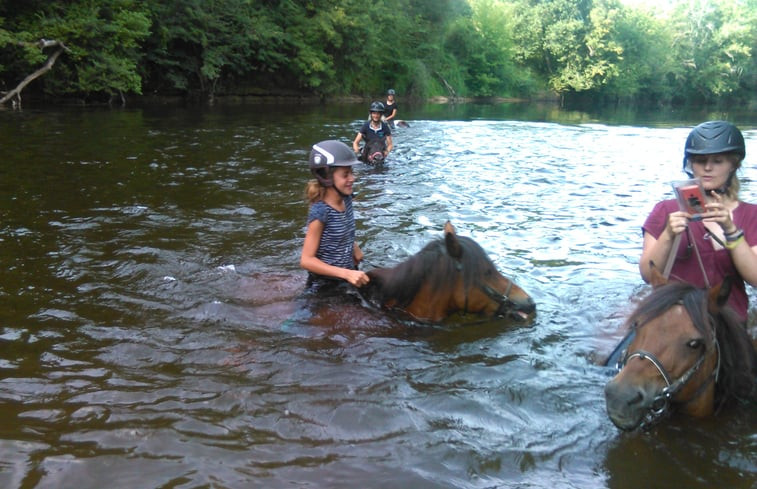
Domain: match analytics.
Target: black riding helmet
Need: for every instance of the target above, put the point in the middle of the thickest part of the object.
(330, 154)
(713, 137)
(377, 107)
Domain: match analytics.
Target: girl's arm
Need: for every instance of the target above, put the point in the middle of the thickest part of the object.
(745, 260)
(657, 250)
(356, 143)
(357, 254)
(309, 262)
(744, 257)
(389, 145)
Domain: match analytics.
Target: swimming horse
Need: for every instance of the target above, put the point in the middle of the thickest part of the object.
(449, 275)
(688, 354)
(373, 153)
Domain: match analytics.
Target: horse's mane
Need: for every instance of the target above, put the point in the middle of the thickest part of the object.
(738, 359)
(431, 265)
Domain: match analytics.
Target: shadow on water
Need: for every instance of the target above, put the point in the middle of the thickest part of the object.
(673, 454)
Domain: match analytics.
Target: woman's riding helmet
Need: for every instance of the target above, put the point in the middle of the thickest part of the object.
(377, 107)
(390, 91)
(713, 137)
(330, 154)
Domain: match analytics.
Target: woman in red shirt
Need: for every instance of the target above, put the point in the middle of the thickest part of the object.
(721, 241)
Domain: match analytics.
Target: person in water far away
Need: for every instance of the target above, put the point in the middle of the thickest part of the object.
(377, 136)
(390, 108)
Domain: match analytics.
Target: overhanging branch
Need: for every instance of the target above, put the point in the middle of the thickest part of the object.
(15, 94)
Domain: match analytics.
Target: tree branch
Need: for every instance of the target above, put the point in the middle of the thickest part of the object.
(15, 94)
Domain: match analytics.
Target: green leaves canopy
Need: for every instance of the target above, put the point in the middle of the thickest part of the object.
(698, 51)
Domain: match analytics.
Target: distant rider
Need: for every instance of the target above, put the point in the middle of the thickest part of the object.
(390, 108)
(377, 135)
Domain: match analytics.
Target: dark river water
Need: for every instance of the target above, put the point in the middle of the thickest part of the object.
(149, 281)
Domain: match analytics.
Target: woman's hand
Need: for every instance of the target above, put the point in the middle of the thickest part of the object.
(677, 223)
(719, 213)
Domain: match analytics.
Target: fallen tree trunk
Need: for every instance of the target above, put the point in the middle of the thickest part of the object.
(15, 95)
(449, 88)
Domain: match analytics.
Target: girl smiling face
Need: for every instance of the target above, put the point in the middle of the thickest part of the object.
(344, 178)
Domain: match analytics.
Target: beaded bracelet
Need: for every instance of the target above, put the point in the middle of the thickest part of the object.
(734, 235)
(733, 243)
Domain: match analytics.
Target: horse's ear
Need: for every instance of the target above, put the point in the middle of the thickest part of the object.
(718, 295)
(657, 278)
(450, 239)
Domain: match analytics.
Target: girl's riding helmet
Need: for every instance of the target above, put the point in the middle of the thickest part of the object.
(330, 154)
(713, 137)
(377, 107)
(390, 91)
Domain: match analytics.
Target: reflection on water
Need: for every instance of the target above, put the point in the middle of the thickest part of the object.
(152, 332)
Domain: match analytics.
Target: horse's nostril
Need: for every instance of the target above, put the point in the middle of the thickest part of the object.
(529, 306)
(637, 399)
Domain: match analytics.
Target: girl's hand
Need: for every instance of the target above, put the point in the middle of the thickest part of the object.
(719, 213)
(357, 278)
(677, 223)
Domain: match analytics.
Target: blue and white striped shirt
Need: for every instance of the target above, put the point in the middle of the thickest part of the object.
(338, 238)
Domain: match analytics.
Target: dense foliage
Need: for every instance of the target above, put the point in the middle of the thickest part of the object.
(685, 51)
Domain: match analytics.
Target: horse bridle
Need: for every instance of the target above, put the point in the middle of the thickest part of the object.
(502, 299)
(661, 403)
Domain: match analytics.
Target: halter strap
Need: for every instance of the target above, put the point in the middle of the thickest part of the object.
(503, 299)
(661, 403)
(674, 251)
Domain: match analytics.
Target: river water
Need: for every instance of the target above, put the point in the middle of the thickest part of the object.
(149, 280)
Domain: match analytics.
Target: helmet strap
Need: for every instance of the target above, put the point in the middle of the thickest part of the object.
(724, 188)
(727, 185)
(328, 182)
(323, 177)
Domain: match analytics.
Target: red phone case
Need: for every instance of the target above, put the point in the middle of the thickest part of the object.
(693, 198)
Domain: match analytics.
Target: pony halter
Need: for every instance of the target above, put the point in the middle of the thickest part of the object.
(661, 403)
(503, 301)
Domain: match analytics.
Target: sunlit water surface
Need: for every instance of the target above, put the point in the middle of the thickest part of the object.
(149, 334)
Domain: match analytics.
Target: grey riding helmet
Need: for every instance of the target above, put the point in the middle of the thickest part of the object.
(330, 154)
(377, 107)
(713, 137)
(390, 91)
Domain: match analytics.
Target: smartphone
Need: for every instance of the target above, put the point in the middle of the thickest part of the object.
(690, 195)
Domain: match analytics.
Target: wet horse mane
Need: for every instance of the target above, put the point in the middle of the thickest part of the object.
(738, 363)
(430, 265)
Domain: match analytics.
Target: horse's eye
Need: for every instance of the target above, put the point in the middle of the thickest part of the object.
(695, 343)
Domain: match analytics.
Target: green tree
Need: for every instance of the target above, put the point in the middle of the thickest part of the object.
(646, 66)
(713, 44)
(573, 45)
(482, 45)
(198, 45)
(102, 36)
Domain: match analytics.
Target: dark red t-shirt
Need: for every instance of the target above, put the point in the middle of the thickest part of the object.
(717, 262)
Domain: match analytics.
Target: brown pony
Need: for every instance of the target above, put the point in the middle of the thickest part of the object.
(688, 353)
(448, 275)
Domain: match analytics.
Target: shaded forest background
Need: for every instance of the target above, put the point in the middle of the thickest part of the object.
(681, 52)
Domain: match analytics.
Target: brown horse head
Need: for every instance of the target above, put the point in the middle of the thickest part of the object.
(687, 354)
(447, 276)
